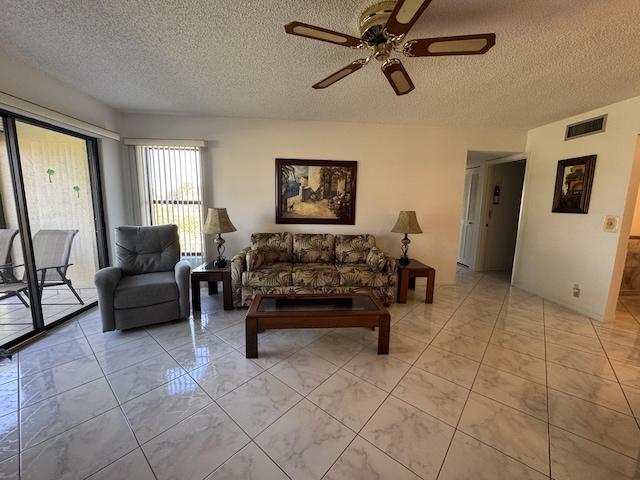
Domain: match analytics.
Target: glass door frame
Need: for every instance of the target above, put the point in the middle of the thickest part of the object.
(9, 123)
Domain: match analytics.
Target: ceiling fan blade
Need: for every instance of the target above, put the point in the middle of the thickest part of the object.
(404, 15)
(322, 34)
(460, 45)
(340, 74)
(397, 76)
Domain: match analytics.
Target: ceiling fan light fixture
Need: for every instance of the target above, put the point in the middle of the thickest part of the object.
(381, 52)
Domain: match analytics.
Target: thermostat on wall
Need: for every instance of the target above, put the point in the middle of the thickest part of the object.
(610, 224)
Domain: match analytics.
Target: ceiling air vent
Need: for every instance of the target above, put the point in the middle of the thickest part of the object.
(588, 127)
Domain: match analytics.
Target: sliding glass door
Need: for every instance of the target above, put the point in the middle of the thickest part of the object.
(16, 318)
(52, 177)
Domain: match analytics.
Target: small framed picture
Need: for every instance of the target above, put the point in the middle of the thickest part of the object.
(574, 178)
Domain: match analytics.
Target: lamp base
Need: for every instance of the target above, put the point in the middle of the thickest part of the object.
(404, 258)
(220, 262)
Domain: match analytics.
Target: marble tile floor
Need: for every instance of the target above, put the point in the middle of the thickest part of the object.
(16, 319)
(488, 382)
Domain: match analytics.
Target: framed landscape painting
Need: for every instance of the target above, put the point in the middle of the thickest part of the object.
(316, 191)
(573, 184)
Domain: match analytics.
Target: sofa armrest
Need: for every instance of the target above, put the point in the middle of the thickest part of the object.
(239, 261)
(182, 273)
(381, 261)
(392, 264)
(238, 267)
(106, 280)
(377, 259)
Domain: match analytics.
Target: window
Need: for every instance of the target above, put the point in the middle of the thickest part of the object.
(170, 182)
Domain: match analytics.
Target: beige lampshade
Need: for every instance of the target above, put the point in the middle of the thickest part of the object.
(218, 221)
(407, 223)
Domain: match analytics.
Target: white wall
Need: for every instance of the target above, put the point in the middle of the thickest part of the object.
(399, 168)
(26, 83)
(557, 250)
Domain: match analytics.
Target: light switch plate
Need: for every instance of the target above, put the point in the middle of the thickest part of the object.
(610, 224)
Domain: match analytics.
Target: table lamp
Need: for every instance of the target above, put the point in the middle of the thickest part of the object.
(218, 222)
(407, 223)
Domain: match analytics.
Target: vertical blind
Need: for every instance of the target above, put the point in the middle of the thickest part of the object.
(171, 192)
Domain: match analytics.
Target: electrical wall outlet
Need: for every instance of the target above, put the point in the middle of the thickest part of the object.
(576, 290)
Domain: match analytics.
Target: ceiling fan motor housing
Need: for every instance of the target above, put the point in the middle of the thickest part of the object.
(373, 21)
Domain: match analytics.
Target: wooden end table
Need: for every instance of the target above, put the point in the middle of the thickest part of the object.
(407, 280)
(208, 273)
(316, 311)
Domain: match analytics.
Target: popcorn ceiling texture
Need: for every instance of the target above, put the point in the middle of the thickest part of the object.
(552, 59)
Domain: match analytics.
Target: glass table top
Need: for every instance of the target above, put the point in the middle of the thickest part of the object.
(317, 304)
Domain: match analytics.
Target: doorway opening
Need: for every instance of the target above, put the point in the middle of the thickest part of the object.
(490, 217)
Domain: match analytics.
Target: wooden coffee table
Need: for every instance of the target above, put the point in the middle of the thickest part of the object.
(316, 311)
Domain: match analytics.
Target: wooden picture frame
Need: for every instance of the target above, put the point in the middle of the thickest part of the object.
(316, 191)
(574, 179)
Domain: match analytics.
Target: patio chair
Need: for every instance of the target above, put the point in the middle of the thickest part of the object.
(51, 249)
(149, 283)
(6, 244)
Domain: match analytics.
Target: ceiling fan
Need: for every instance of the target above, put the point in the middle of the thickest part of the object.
(383, 28)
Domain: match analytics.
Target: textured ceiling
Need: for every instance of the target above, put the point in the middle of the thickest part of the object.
(552, 59)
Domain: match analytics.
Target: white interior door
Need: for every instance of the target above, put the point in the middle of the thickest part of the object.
(468, 219)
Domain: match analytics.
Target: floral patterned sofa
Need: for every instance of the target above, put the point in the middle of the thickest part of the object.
(312, 263)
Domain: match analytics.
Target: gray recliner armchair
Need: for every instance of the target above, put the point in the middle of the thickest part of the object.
(149, 283)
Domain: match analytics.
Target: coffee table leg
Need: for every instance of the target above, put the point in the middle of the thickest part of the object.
(195, 293)
(252, 337)
(383, 334)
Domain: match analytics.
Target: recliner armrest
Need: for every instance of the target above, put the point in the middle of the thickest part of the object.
(182, 272)
(106, 280)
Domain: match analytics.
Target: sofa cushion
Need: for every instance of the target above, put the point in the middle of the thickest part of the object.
(145, 289)
(313, 248)
(353, 248)
(314, 275)
(361, 275)
(255, 258)
(276, 247)
(274, 275)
